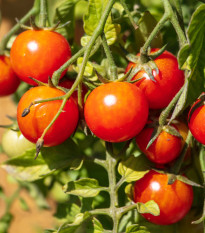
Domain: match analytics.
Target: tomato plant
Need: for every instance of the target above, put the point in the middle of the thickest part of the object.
(38, 53)
(167, 83)
(14, 143)
(196, 121)
(9, 82)
(116, 112)
(41, 114)
(174, 200)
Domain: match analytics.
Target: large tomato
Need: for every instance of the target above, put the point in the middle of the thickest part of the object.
(38, 53)
(167, 83)
(9, 82)
(174, 200)
(116, 112)
(33, 124)
(197, 121)
(164, 149)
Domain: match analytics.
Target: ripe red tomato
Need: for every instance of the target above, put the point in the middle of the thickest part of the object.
(116, 112)
(196, 122)
(174, 200)
(163, 150)
(33, 124)
(68, 84)
(168, 82)
(38, 53)
(9, 82)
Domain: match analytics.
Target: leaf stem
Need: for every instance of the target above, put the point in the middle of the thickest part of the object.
(112, 65)
(43, 13)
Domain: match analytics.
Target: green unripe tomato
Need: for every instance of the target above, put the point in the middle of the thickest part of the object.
(14, 143)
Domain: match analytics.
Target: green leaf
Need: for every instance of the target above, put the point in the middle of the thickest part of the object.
(24, 167)
(192, 55)
(84, 187)
(171, 130)
(92, 19)
(65, 12)
(133, 169)
(146, 25)
(187, 181)
(149, 207)
(137, 229)
(94, 227)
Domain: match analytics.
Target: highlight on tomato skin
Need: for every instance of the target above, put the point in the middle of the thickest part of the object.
(174, 200)
(33, 125)
(196, 121)
(9, 81)
(167, 83)
(116, 112)
(38, 53)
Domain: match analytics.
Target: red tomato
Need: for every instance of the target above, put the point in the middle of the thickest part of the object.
(174, 200)
(168, 82)
(33, 124)
(163, 150)
(68, 84)
(38, 53)
(116, 112)
(9, 82)
(197, 122)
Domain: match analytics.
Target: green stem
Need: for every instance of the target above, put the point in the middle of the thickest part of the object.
(165, 113)
(112, 65)
(34, 10)
(175, 23)
(102, 211)
(157, 28)
(11, 199)
(179, 14)
(43, 13)
(128, 14)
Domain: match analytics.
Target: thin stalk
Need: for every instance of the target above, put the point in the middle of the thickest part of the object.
(175, 23)
(129, 14)
(43, 13)
(177, 5)
(119, 183)
(157, 28)
(34, 10)
(102, 211)
(112, 65)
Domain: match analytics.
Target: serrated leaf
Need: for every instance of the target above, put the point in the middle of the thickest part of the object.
(195, 50)
(137, 229)
(84, 187)
(24, 167)
(64, 13)
(129, 191)
(149, 207)
(133, 169)
(92, 19)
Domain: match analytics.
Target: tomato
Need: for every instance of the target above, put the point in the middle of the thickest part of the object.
(167, 83)
(68, 84)
(14, 143)
(174, 200)
(116, 112)
(40, 115)
(197, 121)
(38, 53)
(9, 82)
(164, 149)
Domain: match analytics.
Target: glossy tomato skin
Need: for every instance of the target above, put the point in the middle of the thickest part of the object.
(196, 122)
(68, 84)
(116, 112)
(33, 124)
(168, 82)
(163, 150)
(174, 200)
(9, 82)
(38, 53)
